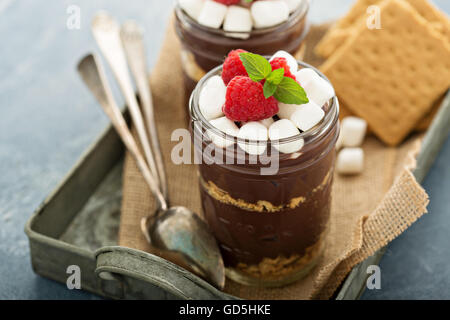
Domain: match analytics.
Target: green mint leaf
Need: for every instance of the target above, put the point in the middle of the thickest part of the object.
(257, 67)
(248, 1)
(276, 76)
(272, 82)
(269, 89)
(290, 92)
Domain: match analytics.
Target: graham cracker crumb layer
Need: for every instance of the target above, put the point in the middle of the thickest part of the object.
(260, 206)
(281, 266)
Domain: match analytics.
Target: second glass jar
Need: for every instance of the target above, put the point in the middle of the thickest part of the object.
(203, 48)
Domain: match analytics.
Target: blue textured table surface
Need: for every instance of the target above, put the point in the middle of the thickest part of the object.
(48, 118)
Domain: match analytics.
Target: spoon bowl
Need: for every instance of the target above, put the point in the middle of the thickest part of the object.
(180, 230)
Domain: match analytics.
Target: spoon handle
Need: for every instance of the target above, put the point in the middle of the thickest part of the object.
(93, 75)
(107, 34)
(132, 40)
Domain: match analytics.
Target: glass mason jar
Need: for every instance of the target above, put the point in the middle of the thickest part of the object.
(271, 228)
(204, 48)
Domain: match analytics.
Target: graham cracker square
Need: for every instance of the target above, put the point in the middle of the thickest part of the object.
(438, 19)
(423, 124)
(391, 76)
(341, 30)
(344, 27)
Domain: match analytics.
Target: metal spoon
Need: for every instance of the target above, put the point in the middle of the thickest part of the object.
(132, 35)
(183, 237)
(106, 33)
(176, 229)
(93, 75)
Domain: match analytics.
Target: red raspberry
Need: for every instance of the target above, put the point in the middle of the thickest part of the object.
(233, 66)
(278, 63)
(228, 2)
(245, 101)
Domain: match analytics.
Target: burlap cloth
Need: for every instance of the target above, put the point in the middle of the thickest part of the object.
(368, 211)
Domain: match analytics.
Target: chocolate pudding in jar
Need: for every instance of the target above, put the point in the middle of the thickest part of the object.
(206, 42)
(270, 224)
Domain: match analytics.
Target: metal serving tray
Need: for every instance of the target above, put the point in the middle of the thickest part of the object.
(78, 223)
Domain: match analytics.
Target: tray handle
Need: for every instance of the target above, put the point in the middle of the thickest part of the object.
(115, 264)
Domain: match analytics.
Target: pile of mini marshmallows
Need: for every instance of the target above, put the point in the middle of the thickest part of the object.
(290, 120)
(350, 159)
(241, 17)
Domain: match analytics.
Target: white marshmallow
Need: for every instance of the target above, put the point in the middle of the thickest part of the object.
(291, 61)
(307, 116)
(284, 129)
(238, 19)
(212, 98)
(253, 131)
(286, 110)
(353, 131)
(192, 7)
(212, 14)
(293, 4)
(269, 13)
(317, 89)
(350, 161)
(228, 127)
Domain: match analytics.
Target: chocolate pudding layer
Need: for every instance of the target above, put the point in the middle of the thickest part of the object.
(271, 228)
(257, 218)
(204, 48)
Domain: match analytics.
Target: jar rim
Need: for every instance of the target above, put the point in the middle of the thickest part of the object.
(309, 136)
(295, 16)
